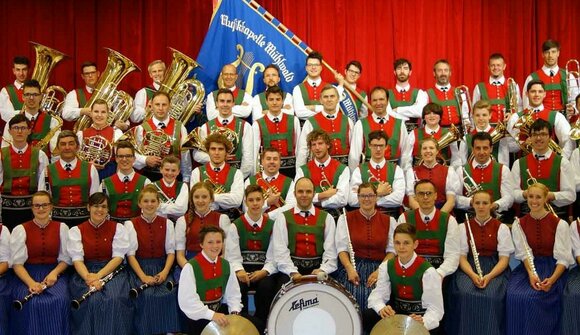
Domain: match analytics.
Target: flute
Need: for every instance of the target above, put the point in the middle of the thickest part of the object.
(76, 304)
(528, 251)
(19, 304)
(473, 249)
(350, 248)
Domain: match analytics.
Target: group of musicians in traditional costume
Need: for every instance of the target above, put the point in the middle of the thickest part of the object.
(412, 200)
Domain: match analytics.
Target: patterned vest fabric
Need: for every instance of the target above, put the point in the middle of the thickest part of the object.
(485, 237)
(306, 234)
(541, 234)
(150, 236)
(42, 244)
(211, 279)
(497, 96)
(20, 171)
(451, 112)
(393, 130)
(437, 175)
(431, 235)
(98, 242)
(338, 130)
(369, 238)
(489, 178)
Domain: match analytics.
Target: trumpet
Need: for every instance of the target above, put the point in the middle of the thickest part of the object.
(462, 97)
(270, 189)
(471, 187)
(531, 181)
(216, 187)
(168, 199)
(19, 304)
(350, 247)
(528, 251)
(473, 249)
(76, 304)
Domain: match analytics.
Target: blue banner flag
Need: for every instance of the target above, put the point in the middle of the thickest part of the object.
(244, 34)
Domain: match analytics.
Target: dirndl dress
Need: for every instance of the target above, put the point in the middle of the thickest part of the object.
(5, 302)
(365, 268)
(108, 311)
(477, 311)
(534, 312)
(46, 313)
(571, 303)
(156, 307)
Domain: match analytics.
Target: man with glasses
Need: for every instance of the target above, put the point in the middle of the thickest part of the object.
(20, 168)
(70, 181)
(405, 101)
(560, 127)
(76, 100)
(260, 105)
(387, 177)
(307, 94)
(547, 168)
(41, 123)
(437, 232)
(11, 98)
(242, 100)
(350, 105)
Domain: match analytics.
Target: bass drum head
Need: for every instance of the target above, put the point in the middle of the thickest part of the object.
(318, 308)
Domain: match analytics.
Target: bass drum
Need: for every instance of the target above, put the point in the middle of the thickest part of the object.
(322, 307)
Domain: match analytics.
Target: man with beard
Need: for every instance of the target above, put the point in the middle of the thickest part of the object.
(242, 100)
(405, 101)
(259, 104)
(444, 95)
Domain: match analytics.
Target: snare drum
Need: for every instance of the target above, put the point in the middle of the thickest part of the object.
(317, 308)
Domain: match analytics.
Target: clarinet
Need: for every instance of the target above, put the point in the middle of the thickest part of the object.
(473, 249)
(19, 304)
(76, 304)
(350, 248)
(528, 251)
(170, 285)
(134, 292)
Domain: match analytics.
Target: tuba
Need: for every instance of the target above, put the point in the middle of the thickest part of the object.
(178, 87)
(46, 60)
(523, 124)
(118, 66)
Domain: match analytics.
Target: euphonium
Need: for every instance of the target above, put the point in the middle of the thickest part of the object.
(95, 149)
(118, 66)
(217, 188)
(531, 181)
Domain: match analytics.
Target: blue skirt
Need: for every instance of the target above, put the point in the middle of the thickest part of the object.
(46, 313)
(533, 312)
(365, 268)
(156, 308)
(108, 311)
(5, 302)
(474, 310)
(571, 303)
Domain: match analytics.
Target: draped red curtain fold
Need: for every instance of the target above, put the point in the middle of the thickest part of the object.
(465, 32)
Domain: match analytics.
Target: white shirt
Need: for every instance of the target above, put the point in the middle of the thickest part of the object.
(395, 199)
(303, 150)
(7, 110)
(575, 163)
(42, 163)
(289, 201)
(190, 302)
(299, 106)
(4, 245)
(506, 188)
(413, 111)
(340, 199)
(248, 165)
(431, 300)
(503, 151)
(258, 143)
(20, 250)
(575, 239)
(134, 242)
(240, 111)
(71, 110)
(282, 253)
(116, 134)
(258, 112)
(357, 144)
(562, 250)
(140, 104)
(477, 94)
(181, 227)
(571, 94)
(505, 245)
(451, 252)
(567, 193)
(94, 187)
(233, 251)
(76, 248)
(7, 137)
(122, 176)
(341, 236)
(233, 198)
(179, 205)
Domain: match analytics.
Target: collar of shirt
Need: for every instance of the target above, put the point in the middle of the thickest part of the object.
(233, 88)
(156, 86)
(252, 222)
(317, 81)
(429, 130)
(376, 117)
(430, 166)
(18, 84)
(325, 163)
(213, 261)
(97, 225)
(272, 116)
(484, 130)
(310, 210)
(409, 263)
(122, 175)
(547, 70)
(368, 217)
(406, 87)
(334, 115)
(546, 154)
(221, 167)
(430, 215)
(30, 116)
(73, 163)
(23, 149)
(229, 118)
(381, 164)
(539, 108)
(90, 90)
(156, 120)
(147, 220)
(481, 224)
(500, 79)
(167, 185)
(202, 215)
(266, 177)
(439, 87)
(475, 164)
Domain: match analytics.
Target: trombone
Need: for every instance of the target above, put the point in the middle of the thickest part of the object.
(462, 96)
(531, 181)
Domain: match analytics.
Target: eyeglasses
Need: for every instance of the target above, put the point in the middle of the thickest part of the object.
(100, 206)
(87, 74)
(425, 194)
(125, 156)
(367, 196)
(31, 95)
(353, 72)
(540, 135)
(43, 205)
(313, 65)
(18, 128)
(377, 146)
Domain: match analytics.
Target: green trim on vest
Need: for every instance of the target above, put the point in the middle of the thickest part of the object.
(306, 97)
(318, 189)
(229, 178)
(485, 96)
(551, 183)
(561, 86)
(149, 92)
(438, 235)
(262, 236)
(11, 89)
(414, 281)
(80, 181)
(399, 103)
(268, 137)
(81, 97)
(493, 185)
(203, 285)
(394, 138)
(44, 130)
(365, 174)
(317, 230)
(115, 197)
(443, 103)
(31, 173)
(341, 135)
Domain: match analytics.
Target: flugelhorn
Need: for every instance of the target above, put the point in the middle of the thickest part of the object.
(473, 249)
(527, 250)
(76, 304)
(471, 187)
(531, 181)
(19, 304)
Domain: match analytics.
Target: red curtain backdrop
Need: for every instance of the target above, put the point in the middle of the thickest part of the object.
(465, 32)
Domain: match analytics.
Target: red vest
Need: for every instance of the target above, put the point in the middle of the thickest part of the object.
(194, 225)
(388, 128)
(98, 242)
(496, 95)
(125, 208)
(339, 138)
(22, 169)
(316, 173)
(306, 244)
(42, 244)
(210, 271)
(313, 92)
(421, 134)
(485, 237)
(437, 175)
(170, 191)
(107, 132)
(553, 100)
(277, 131)
(151, 237)
(540, 234)
(369, 237)
(70, 195)
(451, 115)
(279, 183)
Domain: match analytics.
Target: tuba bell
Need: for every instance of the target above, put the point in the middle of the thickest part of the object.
(118, 66)
(444, 141)
(53, 96)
